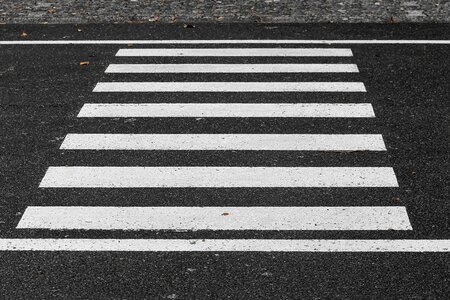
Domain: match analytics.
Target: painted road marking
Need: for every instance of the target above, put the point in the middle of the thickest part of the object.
(215, 218)
(227, 110)
(232, 68)
(172, 177)
(237, 52)
(230, 87)
(156, 42)
(225, 245)
(278, 142)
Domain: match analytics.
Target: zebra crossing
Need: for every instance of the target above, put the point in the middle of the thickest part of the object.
(226, 218)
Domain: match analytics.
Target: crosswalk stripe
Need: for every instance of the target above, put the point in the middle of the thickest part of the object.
(227, 245)
(230, 87)
(221, 110)
(232, 68)
(279, 142)
(214, 218)
(167, 177)
(307, 52)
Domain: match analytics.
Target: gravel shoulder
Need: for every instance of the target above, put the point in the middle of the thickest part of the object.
(227, 11)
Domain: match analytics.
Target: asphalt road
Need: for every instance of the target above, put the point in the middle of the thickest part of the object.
(43, 88)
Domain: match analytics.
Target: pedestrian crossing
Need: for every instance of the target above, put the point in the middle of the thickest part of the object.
(187, 219)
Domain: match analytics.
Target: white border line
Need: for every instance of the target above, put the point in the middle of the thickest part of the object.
(224, 245)
(158, 42)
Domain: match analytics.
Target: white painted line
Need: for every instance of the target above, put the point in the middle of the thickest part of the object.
(223, 245)
(167, 177)
(165, 42)
(229, 87)
(275, 142)
(232, 68)
(238, 52)
(215, 218)
(227, 110)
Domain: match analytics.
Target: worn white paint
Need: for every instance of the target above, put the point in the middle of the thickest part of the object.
(278, 142)
(238, 52)
(232, 68)
(229, 87)
(227, 110)
(226, 245)
(215, 218)
(165, 42)
(168, 177)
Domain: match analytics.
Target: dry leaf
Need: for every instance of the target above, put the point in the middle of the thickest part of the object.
(84, 63)
(51, 10)
(225, 214)
(393, 20)
(23, 34)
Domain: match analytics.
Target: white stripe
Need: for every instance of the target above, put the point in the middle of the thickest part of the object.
(239, 52)
(215, 218)
(223, 245)
(279, 142)
(165, 177)
(156, 42)
(228, 110)
(229, 87)
(232, 68)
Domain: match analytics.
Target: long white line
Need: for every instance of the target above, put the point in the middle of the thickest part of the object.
(275, 142)
(238, 52)
(166, 177)
(215, 218)
(227, 110)
(229, 87)
(156, 42)
(232, 68)
(225, 245)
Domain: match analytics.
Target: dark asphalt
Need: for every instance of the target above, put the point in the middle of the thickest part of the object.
(43, 87)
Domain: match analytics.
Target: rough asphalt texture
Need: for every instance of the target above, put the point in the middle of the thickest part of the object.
(267, 11)
(42, 89)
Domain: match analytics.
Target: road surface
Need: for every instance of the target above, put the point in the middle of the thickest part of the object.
(224, 162)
